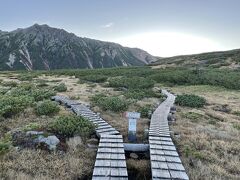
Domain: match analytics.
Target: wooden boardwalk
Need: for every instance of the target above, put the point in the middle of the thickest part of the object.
(110, 162)
(165, 161)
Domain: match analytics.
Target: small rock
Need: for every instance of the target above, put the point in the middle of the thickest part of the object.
(92, 143)
(173, 109)
(31, 133)
(133, 155)
(223, 108)
(171, 117)
(50, 141)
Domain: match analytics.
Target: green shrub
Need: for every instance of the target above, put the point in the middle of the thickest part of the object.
(141, 93)
(26, 77)
(97, 97)
(60, 88)
(236, 126)
(131, 83)
(192, 152)
(4, 147)
(3, 91)
(190, 100)
(145, 110)
(95, 78)
(41, 94)
(192, 115)
(5, 143)
(10, 105)
(32, 126)
(114, 104)
(237, 113)
(72, 125)
(42, 83)
(9, 83)
(47, 107)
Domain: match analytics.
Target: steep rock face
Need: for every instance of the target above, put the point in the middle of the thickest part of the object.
(41, 47)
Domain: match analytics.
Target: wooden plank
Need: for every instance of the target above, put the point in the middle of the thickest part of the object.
(158, 158)
(159, 138)
(111, 150)
(110, 133)
(101, 178)
(105, 130)
(102, 171)
(160, 173)
(173, 159)
(170, 153)
(119, 172)
(175, 166)
(178, 175)
(165, 162)
(103, 127)
(118, 163)
(111, 140)
(103, 163)
(159, 165)
(119, 145)
(104, 136)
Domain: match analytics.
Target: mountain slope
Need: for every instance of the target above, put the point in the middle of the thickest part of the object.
(221, 59)
(41, 47)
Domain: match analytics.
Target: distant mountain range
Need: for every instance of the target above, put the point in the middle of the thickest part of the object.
(41, 47)
(221, 59)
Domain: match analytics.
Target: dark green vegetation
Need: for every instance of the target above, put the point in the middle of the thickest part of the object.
(47, 107)
(114, 104)
(60, 88)
(5, 144)
(69, 126)
(212, 59)
(190, 100)
(95, 78)
(145, 111)
(17, 98)
(10, 105)
(139, 94)
(131, 83)
(170, 76)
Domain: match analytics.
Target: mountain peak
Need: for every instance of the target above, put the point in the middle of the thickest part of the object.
(44, 47)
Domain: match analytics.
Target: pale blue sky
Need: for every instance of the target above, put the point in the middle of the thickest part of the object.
(158, 26)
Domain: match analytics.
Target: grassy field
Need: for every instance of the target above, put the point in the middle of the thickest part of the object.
(207, 137)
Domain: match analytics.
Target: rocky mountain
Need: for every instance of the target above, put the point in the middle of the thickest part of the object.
(41, 47)
(221, 59)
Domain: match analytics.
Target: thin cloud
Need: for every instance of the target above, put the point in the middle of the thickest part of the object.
(108, 25)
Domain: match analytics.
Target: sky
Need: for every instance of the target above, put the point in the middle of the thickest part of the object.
(161, 27)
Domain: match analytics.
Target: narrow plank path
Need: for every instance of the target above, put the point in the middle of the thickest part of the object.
(165, 161)
(110, 162)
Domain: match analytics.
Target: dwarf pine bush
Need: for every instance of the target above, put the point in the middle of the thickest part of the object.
(190, 100)
(72, 125)
(47, 107)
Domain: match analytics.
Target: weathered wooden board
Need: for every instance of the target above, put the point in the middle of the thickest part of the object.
(165, 161)
(110, 161)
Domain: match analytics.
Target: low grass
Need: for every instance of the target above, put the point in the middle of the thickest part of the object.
(208, 141)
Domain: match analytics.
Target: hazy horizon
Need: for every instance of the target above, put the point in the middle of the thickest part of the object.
(162, 28)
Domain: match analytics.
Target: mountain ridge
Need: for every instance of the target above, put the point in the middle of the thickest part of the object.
(41, 47)
(215, 59)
